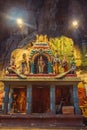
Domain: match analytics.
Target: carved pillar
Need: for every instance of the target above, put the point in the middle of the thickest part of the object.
(76, 100)
(32, 67)
(71, 95)
(52, 98)
(6, 99)
(10, 100)
(29, 99)
(49, 67)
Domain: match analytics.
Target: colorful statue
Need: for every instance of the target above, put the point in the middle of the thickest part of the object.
(65, 64)
(25, 65)
(56, 64)
(73, 66)
(41, 65)
(21, 102)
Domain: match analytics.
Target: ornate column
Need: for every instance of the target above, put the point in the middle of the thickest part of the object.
(6, 99)
(32, 67)
(49, 67)
(76, 100)
(29, 99)
(10, 100)
(71, 95)
(52, 98)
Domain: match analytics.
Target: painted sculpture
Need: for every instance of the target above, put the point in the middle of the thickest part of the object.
(41, 59)
(40, 65)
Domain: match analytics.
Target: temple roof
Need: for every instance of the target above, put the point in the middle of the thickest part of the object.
(41, 62)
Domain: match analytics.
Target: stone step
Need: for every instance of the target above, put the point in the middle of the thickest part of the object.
(41, 120)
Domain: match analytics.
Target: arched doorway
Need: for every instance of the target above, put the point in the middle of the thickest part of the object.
(41, 64)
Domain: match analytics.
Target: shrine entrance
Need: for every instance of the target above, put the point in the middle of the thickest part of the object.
(63, 93)
(19, 100)
(40, 99)
(63, 96)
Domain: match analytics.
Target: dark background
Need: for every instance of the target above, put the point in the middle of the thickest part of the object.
(51, 17)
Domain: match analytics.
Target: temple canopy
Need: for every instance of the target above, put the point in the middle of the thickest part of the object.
(44, 56)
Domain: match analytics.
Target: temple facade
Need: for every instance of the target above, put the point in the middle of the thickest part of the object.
(39, 79)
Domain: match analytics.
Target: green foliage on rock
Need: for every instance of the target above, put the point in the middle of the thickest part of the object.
(63, 46)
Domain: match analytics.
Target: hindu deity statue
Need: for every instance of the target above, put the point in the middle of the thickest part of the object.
(21, 102)
(73, 66)
(56, 64)
(25, 64)
(41, 65)
(65, 64)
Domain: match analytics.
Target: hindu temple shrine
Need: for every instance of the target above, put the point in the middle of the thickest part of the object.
(41, 79)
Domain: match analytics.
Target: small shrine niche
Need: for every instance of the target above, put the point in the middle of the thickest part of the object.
(41, 65)
(19, 100)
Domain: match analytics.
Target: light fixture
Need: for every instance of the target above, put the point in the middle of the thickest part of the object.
(75, 23)
(20, 22)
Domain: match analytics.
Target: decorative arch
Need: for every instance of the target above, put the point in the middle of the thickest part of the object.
(47, 61)
(44, 53)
